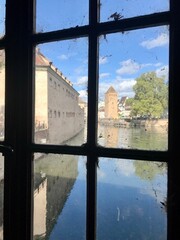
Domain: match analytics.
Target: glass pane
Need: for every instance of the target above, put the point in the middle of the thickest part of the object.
(132, 197)
(61, 92)
(2, 93)
(59, 197)
(113, 10)
(1, 194)
(133, 89)
(55, 15)
(2, 18)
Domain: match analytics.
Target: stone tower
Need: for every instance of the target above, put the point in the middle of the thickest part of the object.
(111, 103)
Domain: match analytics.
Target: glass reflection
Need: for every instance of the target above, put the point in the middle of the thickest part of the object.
(133, 87)
(59, 184)
(61, 91)
(2, 93)
(112, 10)
(2, 18)
(1, 194)
(132, 197)
(61, 14)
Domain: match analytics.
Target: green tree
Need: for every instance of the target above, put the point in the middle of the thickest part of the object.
(151, 96)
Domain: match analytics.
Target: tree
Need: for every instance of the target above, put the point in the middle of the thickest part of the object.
(151, 96)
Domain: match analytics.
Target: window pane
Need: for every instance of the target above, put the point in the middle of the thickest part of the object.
(115, 10)
(133, 89)
(132, 197)
(59, 197)
(1, 194)
(2, 18)
(2, 95)
(61, 91)
(54, 15)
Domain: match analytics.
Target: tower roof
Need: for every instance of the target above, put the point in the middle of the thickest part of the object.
(111, 90)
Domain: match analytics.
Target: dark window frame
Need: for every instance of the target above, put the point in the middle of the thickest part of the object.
(19, 43)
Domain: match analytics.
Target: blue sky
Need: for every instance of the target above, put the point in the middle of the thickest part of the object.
(122, 57)
(2, 17)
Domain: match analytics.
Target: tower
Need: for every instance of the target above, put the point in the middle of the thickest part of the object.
(111, 103)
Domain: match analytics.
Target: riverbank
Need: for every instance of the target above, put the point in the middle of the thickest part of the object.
(159, 124)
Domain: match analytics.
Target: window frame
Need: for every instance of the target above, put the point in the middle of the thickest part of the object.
(19, 42)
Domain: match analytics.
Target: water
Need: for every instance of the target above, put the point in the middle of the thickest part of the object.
(130, 194)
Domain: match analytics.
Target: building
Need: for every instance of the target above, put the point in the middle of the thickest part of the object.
(111, 103)
(124, 108)
(58, 116)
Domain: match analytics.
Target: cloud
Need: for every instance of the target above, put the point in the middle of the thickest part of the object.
(122, 85)
(128, 67)
(103, 60)
(163, 72)
(126, 85)
(83, 94)
(126, 168)
(161, 40)
(103, 75)
(63, 57)
(82, 81)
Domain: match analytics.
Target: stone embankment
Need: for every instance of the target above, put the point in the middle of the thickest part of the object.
(160, 124)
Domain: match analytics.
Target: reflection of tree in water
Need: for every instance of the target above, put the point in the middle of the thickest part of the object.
(150, 139)
(60, 172)
(149, 170)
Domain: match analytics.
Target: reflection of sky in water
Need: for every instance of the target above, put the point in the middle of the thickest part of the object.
(122, 173)
(129, 205)
(71, 222)
(129, 196)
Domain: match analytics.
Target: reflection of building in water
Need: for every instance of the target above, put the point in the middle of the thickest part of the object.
(111, 136)
(58, 115)
(40, 204)
(59, 174)
(111, 103)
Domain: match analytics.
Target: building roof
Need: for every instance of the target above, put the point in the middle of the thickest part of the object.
(41, 60)
(123, 100)
(111, 90)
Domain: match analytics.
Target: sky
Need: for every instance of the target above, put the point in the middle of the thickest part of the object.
(122, 56)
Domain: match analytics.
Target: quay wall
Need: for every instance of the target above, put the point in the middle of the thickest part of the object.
(152, 123)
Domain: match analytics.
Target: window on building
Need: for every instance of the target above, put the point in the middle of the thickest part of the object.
(117, 175)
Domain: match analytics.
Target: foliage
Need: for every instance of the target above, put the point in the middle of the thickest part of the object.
(149, 170)
(151, 96)
(129, 101)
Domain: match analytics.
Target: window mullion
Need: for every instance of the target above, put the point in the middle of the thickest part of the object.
(92, 120)
(174, 129)
(18, 120)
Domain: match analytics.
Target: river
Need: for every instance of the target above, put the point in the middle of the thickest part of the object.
(130, 194)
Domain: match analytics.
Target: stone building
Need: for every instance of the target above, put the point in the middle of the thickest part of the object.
(111, 103)
(58, 117)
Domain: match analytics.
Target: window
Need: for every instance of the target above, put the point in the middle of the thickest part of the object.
(26, 185)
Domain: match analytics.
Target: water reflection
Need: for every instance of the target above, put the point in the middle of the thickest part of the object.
(130, 197)
(54, 178)
(59, 181)
(130, 193)
(134, 138)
